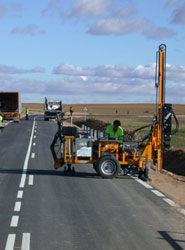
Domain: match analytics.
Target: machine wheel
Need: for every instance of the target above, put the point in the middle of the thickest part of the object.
(108, 166)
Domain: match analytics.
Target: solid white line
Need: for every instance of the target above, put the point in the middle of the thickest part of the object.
(158, 193)
(17, 207)
(25, 241)
(34, 144)
(30, 182)
(10, 242)
(33, 155)
(169, 201)
(22, 182)
(25, 166)
(144, 184)
(20, 194)
(14, 221)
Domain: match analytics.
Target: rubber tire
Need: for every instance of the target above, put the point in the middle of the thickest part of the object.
(101, 167)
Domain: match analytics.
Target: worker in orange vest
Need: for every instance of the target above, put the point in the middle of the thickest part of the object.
(71, 110)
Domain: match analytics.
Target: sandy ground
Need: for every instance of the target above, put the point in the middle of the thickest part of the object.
(171, 185)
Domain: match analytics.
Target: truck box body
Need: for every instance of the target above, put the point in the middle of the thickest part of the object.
(10, 106)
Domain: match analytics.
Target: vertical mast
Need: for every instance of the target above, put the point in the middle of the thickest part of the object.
(161, 81)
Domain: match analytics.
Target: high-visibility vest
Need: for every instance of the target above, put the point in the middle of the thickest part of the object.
(1, 118)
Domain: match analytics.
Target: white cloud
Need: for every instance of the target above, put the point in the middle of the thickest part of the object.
(156, 33)
(4, 69)
(2, 10)
(101, 84)
(117, 26)
(179, 15)
(171, 3)
(92, 8)
(31, 29)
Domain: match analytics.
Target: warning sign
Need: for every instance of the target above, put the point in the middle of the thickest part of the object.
(85, 109)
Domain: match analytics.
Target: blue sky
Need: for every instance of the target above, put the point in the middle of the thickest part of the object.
(84, 51)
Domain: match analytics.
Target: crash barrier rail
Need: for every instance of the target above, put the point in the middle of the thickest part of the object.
(96, 134)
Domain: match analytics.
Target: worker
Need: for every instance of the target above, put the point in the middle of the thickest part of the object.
(71, 109)
(115, 131)
(1, 119)
(27, 113)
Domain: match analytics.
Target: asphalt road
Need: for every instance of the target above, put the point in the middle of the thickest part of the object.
(42, 208)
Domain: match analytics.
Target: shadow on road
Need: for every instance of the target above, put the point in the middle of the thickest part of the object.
(57, 173)
(173, 242)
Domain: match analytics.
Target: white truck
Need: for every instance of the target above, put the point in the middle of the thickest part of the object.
(51, 108)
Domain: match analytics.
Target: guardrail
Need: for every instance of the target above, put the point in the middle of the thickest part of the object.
(95, 134)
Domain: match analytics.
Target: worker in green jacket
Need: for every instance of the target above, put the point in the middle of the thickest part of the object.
(1, 119)
(27, 113)
(115, 131)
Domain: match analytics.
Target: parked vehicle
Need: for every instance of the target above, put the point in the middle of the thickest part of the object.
(10, 106)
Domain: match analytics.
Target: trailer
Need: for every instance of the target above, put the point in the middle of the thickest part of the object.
(110, 157)
(10, 106)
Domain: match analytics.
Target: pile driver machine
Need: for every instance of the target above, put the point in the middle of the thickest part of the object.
(108, 156)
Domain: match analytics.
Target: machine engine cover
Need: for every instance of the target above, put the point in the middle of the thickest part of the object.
(83, 147)
(129, 146)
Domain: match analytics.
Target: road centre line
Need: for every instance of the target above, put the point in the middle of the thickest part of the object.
(17, 207)
(25, 241)
(34, 136)
(10, 242)
(20, 194)
(34, 144)
(25, 166)
(14, 221)
(30, 181)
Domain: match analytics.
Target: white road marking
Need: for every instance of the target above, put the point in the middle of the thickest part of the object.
(34, 144)
(10, 242)
(144, 184)
(22, 182)
(20, 194)
(30, 182)
(17, 207)
(14, 221)
(25, 166)
(25, 241)
(34, 136)
(33, 155)
(169, 201)
(158, 193)
(35, 131)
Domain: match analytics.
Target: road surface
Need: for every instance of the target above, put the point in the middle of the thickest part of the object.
(42, 208)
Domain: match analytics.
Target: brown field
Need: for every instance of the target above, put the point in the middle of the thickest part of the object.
(126, 113)
(119, 109)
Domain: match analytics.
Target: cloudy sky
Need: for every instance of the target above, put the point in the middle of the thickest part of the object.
(91, 51)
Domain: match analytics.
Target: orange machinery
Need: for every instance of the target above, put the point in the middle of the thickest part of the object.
(108, 156)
